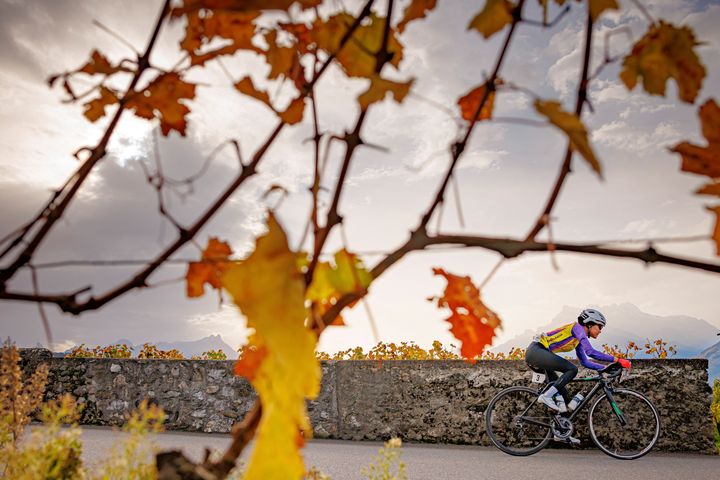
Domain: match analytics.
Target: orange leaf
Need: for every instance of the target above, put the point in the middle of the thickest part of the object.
(251, 357)
(210, 270)
(294, 112)
(472, 322)
(710, 189)
(379, 88)
(415, 10)
(703, 160)
(493, 17)
(665, 52)
(99, 64)
(716, 232)
(279, 58)
(247, 87)
(237, 26)
(161, 99)
(95, 109)
(470, 102)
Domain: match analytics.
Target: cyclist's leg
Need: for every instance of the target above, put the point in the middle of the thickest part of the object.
(541, 357)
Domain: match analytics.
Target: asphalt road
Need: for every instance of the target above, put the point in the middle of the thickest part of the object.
(345, 460)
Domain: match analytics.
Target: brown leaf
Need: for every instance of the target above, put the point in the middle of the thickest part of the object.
(247, 87)
(710, 189)
(294, 112)
(380, 87)
(703, 160)
(279, 58)
(665, 52)
(415, 10)
(215, 261)
(162, 100)
(716, 232)
(573, 128)
(470, 102)
(95, 109)
(494, 16)
(98, 64)
(238, 27)
(597, 7)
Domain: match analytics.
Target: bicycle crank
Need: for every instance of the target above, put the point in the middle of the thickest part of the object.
(562, 427)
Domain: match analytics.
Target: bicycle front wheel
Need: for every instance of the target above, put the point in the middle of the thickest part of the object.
(516, 423)
(626, 430)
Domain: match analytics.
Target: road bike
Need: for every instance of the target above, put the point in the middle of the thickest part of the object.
(623, 423)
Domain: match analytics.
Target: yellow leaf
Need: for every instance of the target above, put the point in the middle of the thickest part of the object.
(358, 57)
(415, 10)
(665, 52)
(269, 290)
(95, 109)
(493, 17)
(597, 7)
(379, 88)
(573, 128)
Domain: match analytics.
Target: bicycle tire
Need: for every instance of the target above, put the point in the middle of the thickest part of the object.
(501, 422)
(632, 440)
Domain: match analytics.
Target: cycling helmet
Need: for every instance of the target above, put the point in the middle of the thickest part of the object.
(590, 316)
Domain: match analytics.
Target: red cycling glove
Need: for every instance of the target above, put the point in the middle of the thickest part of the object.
(625, 363)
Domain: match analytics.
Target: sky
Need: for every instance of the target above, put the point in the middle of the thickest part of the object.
(503, 180)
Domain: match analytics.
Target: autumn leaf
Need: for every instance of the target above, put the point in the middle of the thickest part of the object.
(162, 99)
(279, 58)
(573, 127)
(294, 112)
(358, 57)
(471, 321)
(597, 7)
(703, 160)
(710, 189)
(238, 27)
(188, 6)
(493, 17)
(665, 52)
(250, 359)
(380, 87)
(415, 10)
(210, 270)
(331, 281)
(470, 102)
(95, 109)
(292, 115)
(269, 290)
(716, 232)
(99, 64)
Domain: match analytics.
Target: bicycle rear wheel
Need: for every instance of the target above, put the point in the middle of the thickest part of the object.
(632, 440)
(516, 423)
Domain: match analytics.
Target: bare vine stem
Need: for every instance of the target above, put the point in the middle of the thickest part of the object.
(52, 213)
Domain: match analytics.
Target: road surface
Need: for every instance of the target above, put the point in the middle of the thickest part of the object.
(344, 460)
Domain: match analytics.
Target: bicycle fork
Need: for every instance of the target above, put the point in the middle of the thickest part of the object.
(618, 413)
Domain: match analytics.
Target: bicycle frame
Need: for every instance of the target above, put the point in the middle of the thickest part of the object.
(601, 384)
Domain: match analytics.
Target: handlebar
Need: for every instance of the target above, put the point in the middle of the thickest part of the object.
(613, 371)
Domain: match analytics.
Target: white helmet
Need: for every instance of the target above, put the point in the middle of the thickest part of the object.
(590, 316)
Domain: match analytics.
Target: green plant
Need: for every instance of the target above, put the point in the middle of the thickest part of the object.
(387, 464)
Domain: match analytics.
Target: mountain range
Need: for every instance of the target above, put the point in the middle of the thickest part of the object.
(692, 337)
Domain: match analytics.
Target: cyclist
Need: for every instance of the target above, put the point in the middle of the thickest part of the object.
(542, 354)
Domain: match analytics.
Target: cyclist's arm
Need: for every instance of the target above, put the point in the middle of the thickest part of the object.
(585, 361)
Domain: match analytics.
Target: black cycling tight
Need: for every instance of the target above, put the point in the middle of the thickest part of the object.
(542, 358)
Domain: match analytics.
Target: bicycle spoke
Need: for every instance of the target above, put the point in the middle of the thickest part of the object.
(633, 439)
(516, 423)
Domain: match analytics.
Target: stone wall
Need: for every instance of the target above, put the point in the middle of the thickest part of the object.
(420, 401)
